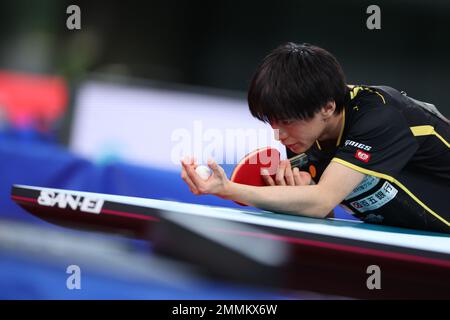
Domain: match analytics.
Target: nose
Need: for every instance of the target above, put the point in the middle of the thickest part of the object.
(279, 133)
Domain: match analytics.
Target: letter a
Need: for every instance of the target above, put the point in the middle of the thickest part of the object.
(374, 20)
(74, 280)
(374, 281)
(74, 20)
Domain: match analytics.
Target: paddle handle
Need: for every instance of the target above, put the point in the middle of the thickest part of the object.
(300, 161)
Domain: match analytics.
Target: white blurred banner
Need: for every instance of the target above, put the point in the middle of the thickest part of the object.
(156, 127)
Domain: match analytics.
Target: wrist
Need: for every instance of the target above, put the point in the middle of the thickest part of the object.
(227, 192)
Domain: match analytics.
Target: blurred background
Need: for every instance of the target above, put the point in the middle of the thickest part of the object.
(95, 109)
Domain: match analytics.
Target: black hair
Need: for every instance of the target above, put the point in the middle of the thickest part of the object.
(294, 81)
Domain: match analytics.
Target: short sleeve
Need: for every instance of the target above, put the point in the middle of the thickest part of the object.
(378, 140)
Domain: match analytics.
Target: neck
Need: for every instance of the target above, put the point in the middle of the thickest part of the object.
(333, 129)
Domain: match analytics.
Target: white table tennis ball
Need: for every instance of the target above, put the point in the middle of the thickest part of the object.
(203, 172)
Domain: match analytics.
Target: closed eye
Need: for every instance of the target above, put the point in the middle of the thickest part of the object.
(287, 122)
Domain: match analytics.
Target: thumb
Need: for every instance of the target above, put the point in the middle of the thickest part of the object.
(305, 177)
(214, 167)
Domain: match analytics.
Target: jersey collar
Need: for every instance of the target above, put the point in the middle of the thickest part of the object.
(341, 132)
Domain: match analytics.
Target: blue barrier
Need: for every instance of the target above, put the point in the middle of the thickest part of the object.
(34, 162)
(47, 164)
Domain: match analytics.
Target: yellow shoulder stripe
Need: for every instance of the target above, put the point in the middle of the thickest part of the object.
(355, 89)
(354, 92)
(427, 131)
(393, 180)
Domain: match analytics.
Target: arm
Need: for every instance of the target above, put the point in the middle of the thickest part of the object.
(303, 200)
(308, 200)
(286, 175)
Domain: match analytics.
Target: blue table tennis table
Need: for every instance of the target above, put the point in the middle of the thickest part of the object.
(275, 250)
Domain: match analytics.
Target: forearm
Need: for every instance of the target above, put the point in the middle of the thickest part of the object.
(302, 200)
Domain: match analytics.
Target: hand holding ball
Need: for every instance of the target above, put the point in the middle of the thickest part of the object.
(203, 172)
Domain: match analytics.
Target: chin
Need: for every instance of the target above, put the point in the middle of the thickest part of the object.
(297, 148)
(301, 148)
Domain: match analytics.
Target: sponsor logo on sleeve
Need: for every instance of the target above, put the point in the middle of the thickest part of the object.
(377, 199)
(357, 145)
(367, 184)
(74, 202)
(363, 156)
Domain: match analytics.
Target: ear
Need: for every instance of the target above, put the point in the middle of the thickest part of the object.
(328, 110)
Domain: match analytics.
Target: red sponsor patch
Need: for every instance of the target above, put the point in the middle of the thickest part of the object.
(362, 155)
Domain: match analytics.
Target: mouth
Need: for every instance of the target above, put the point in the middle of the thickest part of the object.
(292, 146)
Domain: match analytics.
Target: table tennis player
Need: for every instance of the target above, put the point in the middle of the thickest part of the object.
(381, 154)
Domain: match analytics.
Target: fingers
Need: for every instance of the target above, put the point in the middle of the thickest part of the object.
(215, 168)
(267, 178)
(196, 184)
(301, 178)
(190, 161)
(306, 178)
(288, 175)
(189, 175)
(185, 177)
(195, 178)
(297, 177)
(279, 176)
(285, 175)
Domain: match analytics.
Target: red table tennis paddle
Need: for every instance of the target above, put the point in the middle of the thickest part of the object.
(248, 170)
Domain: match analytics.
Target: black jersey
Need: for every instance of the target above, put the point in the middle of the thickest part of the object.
(402, 146)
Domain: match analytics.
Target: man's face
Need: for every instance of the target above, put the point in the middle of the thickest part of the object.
(299, 135)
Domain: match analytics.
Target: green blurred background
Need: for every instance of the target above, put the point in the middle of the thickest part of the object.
(218, 44)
